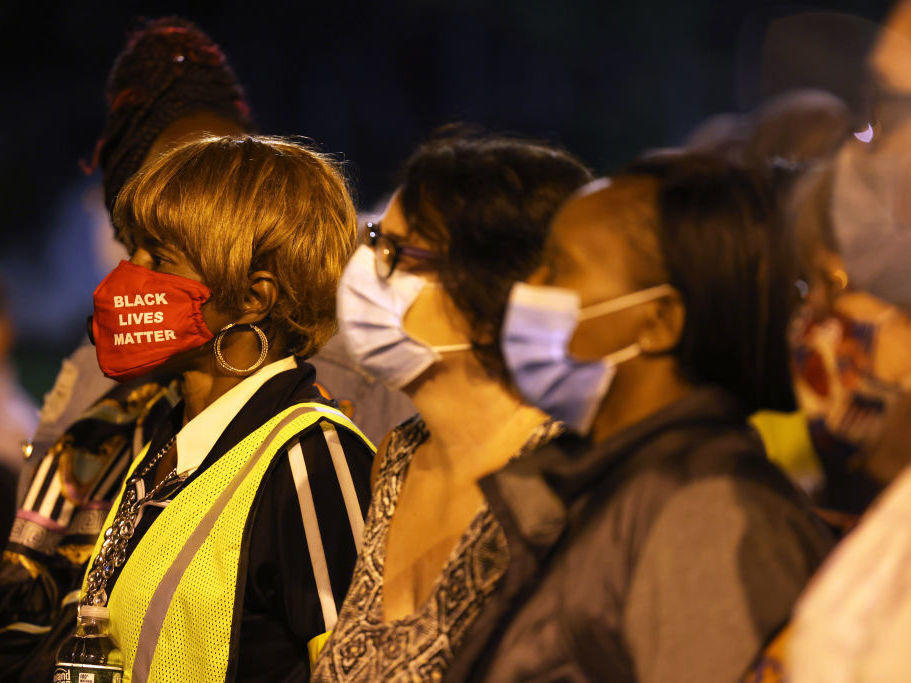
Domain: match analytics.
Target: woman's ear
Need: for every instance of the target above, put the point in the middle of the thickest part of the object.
(663, 325)
(260, 297)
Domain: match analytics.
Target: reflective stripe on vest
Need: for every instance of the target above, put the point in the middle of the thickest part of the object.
(172, 608)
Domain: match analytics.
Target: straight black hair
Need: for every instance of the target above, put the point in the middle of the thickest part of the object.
(728, 252)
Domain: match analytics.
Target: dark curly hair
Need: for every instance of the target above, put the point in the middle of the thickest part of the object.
(168, 69)
(485, 203)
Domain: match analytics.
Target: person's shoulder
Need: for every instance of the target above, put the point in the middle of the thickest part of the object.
(407, 436)
(78, 384)
(731, 496)
(328, 456)
(678, 459)
(327, 434)
(730, 473)
(734, 453)
(724, 478)
(395, 450)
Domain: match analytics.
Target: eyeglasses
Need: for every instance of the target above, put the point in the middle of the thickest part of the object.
(388, 251)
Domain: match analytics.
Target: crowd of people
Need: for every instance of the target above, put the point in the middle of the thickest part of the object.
(620, 421)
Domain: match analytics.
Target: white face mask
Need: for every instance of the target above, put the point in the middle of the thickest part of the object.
(370, 314)
(871, 221)
(537, 329)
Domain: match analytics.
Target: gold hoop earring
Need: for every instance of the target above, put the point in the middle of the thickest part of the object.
(263, 351)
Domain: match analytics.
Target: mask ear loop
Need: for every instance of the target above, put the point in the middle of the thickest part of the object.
(625, 301)
(263, 350)
(623, 355)
(619, 304)
(449, 348)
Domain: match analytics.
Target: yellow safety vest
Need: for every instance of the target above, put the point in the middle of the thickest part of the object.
(172, 607)
(786, 437)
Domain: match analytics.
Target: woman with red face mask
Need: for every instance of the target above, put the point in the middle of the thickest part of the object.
(235, 532)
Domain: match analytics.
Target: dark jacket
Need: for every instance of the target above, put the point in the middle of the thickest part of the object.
(672, 551)
(280, 605)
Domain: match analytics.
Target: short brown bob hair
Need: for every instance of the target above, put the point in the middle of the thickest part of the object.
(237, 204)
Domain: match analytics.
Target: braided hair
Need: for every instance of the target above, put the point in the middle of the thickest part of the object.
(168, 69)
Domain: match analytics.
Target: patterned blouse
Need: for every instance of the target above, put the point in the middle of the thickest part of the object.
(419, 646)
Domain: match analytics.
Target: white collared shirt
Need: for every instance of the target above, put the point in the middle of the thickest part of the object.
(198, 436)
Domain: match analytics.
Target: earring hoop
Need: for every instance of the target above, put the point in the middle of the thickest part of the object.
(263, 350)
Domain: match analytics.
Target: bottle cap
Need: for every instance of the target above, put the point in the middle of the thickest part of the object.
(93, 611)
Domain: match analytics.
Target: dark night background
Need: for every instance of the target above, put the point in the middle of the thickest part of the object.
(369, 81)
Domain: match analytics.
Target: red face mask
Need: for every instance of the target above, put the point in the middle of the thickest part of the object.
(143, 318)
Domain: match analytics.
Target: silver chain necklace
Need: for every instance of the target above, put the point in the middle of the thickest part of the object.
(112, 553)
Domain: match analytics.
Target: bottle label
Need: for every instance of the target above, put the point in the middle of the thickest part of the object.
(87, 673)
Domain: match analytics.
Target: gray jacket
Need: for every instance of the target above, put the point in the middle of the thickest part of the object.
(672, 551)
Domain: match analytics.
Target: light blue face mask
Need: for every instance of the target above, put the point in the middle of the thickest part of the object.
(537, 329)
(370, 311)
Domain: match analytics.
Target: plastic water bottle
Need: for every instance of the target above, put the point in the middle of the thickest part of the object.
(89, 655)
